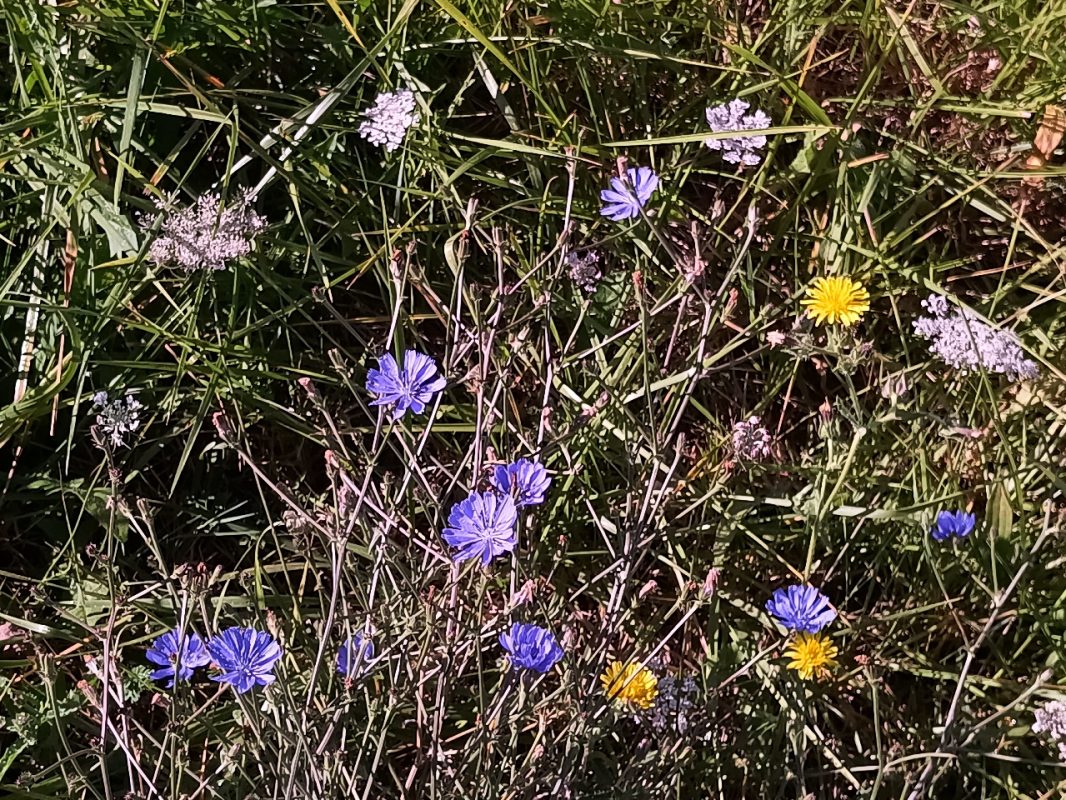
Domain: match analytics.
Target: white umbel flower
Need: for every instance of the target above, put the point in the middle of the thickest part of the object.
(389, 118)
(733, 116)
(1051, 719)
(205, 235)
(585, 269)
(751, 441)
(116, 418)
(962, 341)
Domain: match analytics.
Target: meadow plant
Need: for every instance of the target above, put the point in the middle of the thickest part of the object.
(734, 117)
(594, 430)
(388, 120)
(206, 234)
(482, 526)
(628, 196)
(959, 339)
(118, 418)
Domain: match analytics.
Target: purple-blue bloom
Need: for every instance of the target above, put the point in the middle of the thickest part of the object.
(412, 387)
(531, 647)
(953, 523)
(174, 662)
(482, 526)
(626, 198)
(354, 655)
(245, 656)
(526, 481)
(801, 608)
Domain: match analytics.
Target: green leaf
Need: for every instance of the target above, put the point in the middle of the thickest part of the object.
(1000, 513)
(92, 600)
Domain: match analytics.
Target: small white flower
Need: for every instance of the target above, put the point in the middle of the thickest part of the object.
(116, 419)
(204, 235)
(751, 441)
(585, 269)
(966, 343)
(1051, 719)
(733, 116)
(389, 118)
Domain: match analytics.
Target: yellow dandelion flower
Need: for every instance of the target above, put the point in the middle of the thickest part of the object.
(836, 300)
(812, 655)
(630, 684)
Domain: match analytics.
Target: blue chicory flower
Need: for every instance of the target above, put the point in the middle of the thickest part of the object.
(626, 198)
(531, 647)
(173, 663)
(801, 608)
(412, 387)
(245, 656)
(482, 526)
(953, 523)
(354, 655)
(525, 480)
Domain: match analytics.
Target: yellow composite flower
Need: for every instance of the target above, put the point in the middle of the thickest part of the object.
(812, 655)
(836, 299)
(630, 684)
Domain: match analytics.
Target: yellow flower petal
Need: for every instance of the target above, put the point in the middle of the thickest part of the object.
(812, 655)
(836, 299)
(630, 684)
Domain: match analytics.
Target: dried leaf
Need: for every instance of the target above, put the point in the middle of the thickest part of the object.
(1049, 134)
(1047, 138)
(70, 258)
